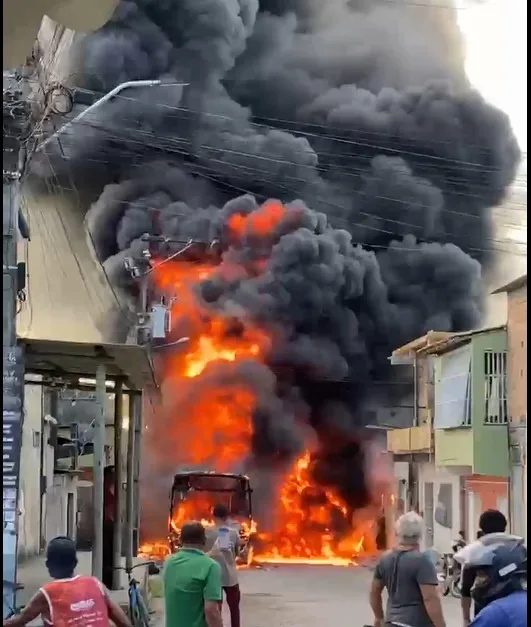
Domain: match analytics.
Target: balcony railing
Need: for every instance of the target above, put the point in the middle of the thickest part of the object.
(410, 440)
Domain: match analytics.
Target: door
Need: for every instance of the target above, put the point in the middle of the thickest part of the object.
(503, 505)
(428, 512)
(475, 507)
(70, 516)
(85, 520)
(54, 513)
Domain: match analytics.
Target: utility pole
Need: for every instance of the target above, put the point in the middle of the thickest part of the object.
(16, 120)
(16, 123)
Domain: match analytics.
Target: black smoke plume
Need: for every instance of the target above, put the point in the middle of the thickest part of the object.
(358, 116)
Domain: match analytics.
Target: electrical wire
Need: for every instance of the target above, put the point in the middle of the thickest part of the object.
(341, 140)
(333, 219)
(356, 174)
(297, 179)
(273, 123)
(311, 152)
(362, 173)
(348, 224)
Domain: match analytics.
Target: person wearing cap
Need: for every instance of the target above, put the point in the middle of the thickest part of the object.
(69, 599)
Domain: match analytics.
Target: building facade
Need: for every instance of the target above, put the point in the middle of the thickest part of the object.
(47, 503)
(516, 293)
(457, 449)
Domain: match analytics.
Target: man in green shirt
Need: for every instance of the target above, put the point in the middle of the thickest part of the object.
(192, 583)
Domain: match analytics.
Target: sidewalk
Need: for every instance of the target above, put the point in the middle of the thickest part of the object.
(32, 574)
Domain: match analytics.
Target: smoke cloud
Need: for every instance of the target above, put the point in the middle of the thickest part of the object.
(358, 117)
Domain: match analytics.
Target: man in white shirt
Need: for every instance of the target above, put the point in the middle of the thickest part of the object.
(223, 543)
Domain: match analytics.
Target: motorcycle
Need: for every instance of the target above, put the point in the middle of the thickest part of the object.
(450, 577)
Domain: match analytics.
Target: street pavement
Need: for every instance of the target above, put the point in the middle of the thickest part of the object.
(311, 596)
(275, 596)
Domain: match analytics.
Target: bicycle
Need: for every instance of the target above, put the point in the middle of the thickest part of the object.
(138, 612)
(451, 576)
(13, 611)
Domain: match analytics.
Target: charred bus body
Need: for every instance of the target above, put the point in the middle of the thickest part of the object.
(194, 494)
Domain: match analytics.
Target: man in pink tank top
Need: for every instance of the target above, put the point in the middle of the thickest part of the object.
(70, 600)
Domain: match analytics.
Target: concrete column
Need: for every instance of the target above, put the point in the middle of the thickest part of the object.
(98, 472)
(129, 506)
(118, 491)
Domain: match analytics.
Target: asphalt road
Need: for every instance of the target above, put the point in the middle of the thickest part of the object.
(312, 596)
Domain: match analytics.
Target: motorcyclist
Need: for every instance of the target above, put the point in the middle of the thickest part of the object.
(500, 585)
(459, 543)
(492, 527)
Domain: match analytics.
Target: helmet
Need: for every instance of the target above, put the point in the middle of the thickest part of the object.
(501, 569)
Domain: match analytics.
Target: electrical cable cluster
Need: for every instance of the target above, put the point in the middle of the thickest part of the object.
(60, 101)
(17, 123)
(182, 149)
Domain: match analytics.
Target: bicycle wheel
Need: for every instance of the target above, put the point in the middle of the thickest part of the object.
(455, 589)
(14, 612)
(137, 609)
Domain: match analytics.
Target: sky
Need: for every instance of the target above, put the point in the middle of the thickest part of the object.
(495, 34)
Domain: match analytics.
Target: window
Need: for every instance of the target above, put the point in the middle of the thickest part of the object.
(443, 509)
(36, 439)
(453, 390)
(495, 370)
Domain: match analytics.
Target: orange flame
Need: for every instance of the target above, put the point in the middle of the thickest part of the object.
(315, 526)
(210, 424)
(261, 221)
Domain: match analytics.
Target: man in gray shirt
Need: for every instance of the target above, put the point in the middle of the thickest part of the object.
(222, 544)
(410, 579)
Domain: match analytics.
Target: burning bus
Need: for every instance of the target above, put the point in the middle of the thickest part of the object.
(194, 494)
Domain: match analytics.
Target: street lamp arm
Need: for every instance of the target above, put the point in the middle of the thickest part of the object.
(114, 92)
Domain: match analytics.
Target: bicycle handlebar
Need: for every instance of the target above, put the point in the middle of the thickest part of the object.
(130, 570)
(10, 585)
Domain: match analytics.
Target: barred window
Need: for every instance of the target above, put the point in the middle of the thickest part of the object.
(495, 371)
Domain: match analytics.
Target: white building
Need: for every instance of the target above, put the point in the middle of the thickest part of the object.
(47, 501)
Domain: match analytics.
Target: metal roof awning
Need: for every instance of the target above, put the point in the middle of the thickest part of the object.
(516, 284)
(436, 343)
(22, 19)
(130, 362)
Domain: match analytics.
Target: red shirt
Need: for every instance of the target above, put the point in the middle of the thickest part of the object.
(77, 602)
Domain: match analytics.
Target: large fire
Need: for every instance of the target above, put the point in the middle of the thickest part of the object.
(212, 427)
(313, 525)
